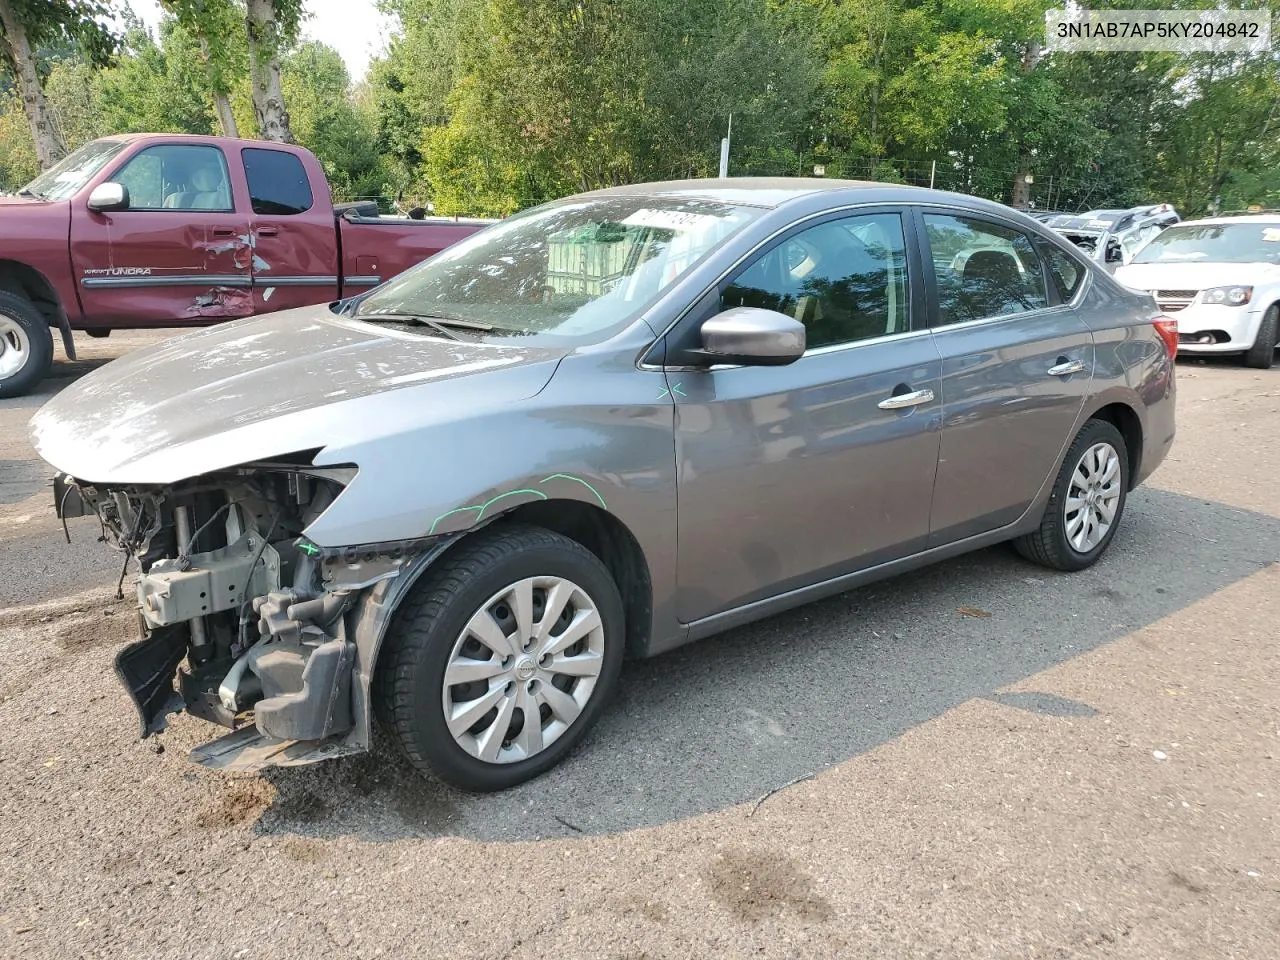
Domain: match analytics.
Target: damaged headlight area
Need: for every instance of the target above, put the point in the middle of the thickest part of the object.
(244, 622)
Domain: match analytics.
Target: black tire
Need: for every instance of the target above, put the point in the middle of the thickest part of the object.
(38, 348)
(1263, 352)
(1049, 546)
(421, 639)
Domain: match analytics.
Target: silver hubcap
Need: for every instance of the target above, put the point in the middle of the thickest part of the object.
(523, 669)
(1093, 497)
(15, 349)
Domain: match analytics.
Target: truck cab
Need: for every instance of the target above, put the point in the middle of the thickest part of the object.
(158, 230)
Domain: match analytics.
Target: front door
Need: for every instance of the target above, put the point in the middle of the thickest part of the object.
(295, 255)
(1017, 363)
(180, 251)
(791, 475)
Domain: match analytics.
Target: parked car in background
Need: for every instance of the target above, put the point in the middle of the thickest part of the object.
(160, 230)
(604, 427)
(1111, 237)
(1220, 278)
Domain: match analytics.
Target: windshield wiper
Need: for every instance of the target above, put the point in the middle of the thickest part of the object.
(444, 325)
(24, 192)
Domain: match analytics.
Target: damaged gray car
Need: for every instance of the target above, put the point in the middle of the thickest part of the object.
(602, 428)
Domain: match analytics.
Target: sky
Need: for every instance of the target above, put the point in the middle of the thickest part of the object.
(354, 28)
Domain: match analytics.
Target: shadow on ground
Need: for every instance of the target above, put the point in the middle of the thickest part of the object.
(726, 720)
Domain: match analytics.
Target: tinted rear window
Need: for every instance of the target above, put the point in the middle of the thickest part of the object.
(277, 182)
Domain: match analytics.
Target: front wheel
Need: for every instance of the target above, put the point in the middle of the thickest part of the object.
(1263, 352)
(502, 658)
(26, 345)
(1087, 502)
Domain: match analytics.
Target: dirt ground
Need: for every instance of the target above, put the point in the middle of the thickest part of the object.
(1092, 770)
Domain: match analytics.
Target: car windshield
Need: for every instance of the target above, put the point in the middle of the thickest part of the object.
(1214, 243)
(66, 177)
(564, 273)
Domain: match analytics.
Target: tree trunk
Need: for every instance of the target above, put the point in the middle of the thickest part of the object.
(221, 103)
(226, 119)
(17, 49)
(264, 71)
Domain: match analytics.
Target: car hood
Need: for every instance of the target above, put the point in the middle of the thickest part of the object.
(1194, 276)
(267, 386)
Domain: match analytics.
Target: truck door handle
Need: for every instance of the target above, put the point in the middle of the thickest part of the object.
(1065, 367)
(224, 231)
(268, 231)
(900, 401)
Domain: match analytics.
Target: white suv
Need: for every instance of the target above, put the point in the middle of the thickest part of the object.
(1220, 279)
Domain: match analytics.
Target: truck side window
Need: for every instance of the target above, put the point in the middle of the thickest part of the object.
(177, 177)
(278, 183)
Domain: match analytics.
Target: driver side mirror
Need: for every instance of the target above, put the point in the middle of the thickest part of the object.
(749, 336)
(109, 196)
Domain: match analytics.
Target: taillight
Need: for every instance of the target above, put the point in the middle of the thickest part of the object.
(1167, 327)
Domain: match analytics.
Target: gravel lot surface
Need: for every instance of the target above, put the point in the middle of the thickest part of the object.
(1092, 770)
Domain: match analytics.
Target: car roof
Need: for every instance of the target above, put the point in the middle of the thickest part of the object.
(749, 191)
(1262, 218)
(774, 192)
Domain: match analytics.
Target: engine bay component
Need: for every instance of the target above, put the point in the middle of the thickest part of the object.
(218, 580)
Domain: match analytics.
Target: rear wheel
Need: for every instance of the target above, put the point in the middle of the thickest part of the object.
(1263, 352)
(26, 345)
(1087, 502)
(502, 659)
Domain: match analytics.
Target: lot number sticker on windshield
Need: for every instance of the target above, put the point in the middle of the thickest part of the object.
(670, 219)
(1271, 234)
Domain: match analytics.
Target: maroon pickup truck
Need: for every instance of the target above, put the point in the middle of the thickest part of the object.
(158, 230)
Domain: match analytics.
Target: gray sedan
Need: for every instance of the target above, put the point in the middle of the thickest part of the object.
(605, 427)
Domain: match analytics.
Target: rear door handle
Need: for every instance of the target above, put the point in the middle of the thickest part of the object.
(901, 401)
(1066, 368)
(268, 231)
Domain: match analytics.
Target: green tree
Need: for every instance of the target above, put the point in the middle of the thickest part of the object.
(25, 25)
(219, 28)
(325, 119)
(156, 87)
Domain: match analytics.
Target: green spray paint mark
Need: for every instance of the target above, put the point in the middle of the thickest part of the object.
(310, 549)
(480, 508)
(565, 476)
(675, 389)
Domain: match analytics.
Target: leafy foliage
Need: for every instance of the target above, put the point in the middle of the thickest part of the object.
(487, 106)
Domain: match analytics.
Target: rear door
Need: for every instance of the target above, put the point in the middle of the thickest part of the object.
(1017, 364)
(179, 252)
(295, 240)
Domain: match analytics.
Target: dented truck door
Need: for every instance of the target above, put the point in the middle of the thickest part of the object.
(295, 255)
(180, 251)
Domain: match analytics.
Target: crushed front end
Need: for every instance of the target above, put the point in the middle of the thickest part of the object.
(243, 621)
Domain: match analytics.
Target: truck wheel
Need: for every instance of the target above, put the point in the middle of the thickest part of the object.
(1263, 352)
(502, 658)
(26, 345)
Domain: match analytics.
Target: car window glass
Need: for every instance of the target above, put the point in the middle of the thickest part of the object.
(1066, 274)
(845, 280)
(982, 270)
(177, 177)
(278, 183)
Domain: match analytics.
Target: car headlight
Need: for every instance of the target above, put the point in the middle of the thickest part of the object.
(1231, 296)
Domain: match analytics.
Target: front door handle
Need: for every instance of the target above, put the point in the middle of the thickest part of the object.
(1066, 367)
(900, 401)
(224, 231)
